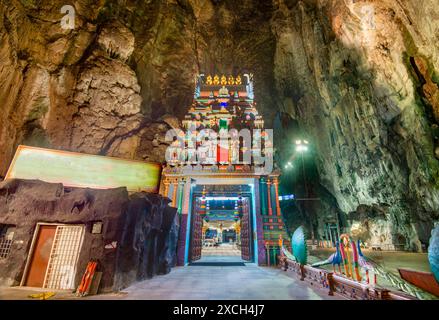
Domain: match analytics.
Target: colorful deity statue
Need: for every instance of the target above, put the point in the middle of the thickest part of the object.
(223, 92)
(234, 147)
(216, 108)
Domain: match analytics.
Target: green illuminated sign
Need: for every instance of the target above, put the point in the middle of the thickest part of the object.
(83, 170)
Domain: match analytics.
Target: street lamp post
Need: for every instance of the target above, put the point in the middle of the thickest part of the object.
(301, 147)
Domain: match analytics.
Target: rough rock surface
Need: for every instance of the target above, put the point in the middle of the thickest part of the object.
(359, 79)
(362, 88)
(142, 225)
(148, 243)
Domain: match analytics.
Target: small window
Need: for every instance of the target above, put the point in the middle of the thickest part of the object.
(6, 236)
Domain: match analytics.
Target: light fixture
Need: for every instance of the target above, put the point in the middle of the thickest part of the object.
(288, 165)
(302, 145)
(221, 198)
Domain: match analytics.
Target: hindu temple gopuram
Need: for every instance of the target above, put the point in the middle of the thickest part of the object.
(226, 185)
(224, 150)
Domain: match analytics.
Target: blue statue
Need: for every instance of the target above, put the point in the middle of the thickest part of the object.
(433, 252)
(334, 259)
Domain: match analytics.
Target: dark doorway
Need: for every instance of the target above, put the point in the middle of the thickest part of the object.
(221, 225)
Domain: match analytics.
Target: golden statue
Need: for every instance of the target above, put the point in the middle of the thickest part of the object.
(209, 80)
(237, 226)
(231, 81)
(223, 80)
(238, 80)
(216, 80)
(223, 91)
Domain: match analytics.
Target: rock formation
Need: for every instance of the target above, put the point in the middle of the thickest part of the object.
(138, 238)
(359, 79)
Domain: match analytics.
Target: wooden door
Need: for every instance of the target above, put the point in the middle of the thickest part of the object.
(40, 256)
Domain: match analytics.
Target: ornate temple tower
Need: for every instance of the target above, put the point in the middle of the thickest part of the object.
(222, 143)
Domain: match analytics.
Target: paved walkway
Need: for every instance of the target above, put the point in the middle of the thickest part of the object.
(222, 283)
(206, 283)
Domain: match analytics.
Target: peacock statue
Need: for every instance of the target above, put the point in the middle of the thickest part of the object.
(288, 254)
(334, 259)
(364, 263)
(298, 244)
(369, 265)
(433, 258)
(342, 256)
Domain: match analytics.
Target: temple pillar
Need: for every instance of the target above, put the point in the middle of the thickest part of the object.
(270, 210)
(263, 195)
(184, 232)
(276, 191)
(174, 193)
(166, 188)
(260, 252)
(186, 197)
(180, 194)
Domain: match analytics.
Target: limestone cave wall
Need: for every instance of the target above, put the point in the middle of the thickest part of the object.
(364, 88)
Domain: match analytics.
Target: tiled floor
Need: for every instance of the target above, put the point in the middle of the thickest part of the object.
(222, 283)
(206, 283)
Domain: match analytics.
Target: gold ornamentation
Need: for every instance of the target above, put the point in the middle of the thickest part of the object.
(223, 80)
(209, 80)
(216, 80)
(231, 81)
(238, 80)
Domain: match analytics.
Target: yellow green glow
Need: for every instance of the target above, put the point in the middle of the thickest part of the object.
(82, 170)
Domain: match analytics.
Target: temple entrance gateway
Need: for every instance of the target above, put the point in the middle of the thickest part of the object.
(221, 177)
(222, 223)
